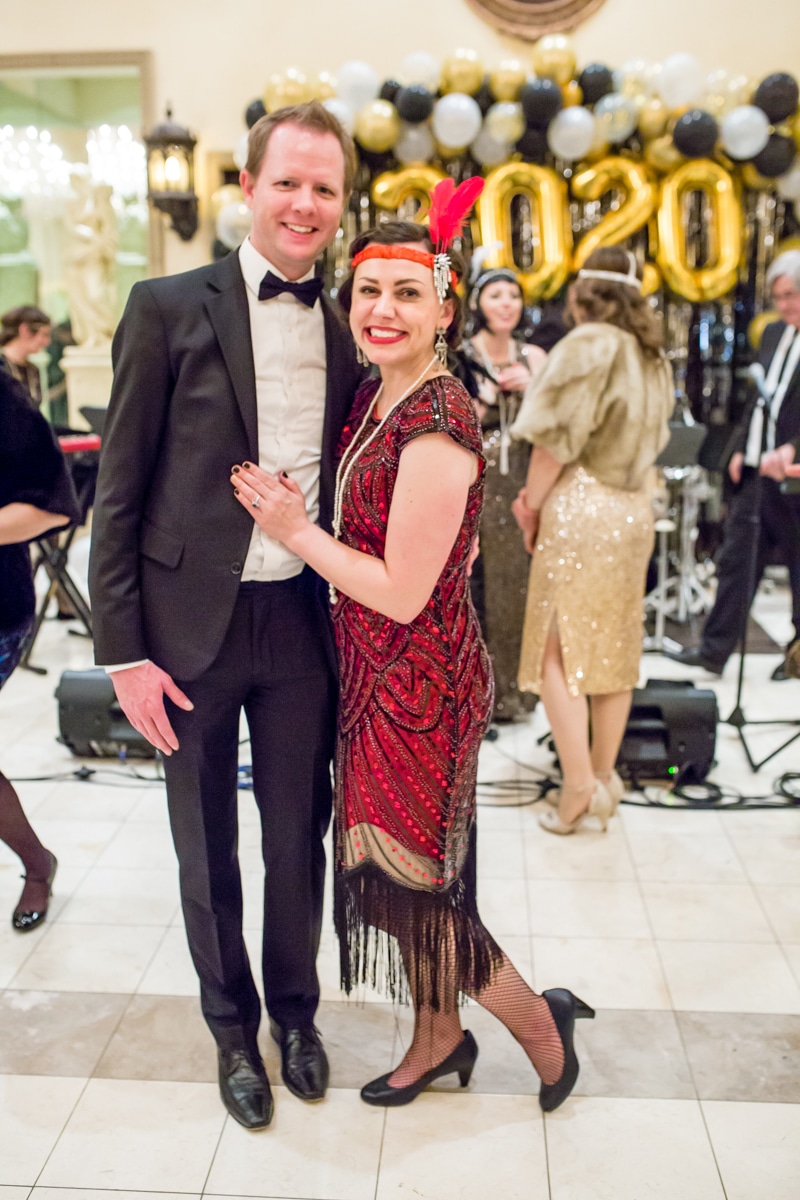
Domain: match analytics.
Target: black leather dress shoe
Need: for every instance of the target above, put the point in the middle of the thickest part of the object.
(304, 1064)
(694, 657)
(244, 1088)
(780, 673)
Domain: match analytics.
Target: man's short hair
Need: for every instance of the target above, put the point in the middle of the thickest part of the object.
(787, 264)
(314, 116)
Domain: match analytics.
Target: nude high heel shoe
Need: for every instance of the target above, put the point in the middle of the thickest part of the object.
(615, 788)
(600, 805)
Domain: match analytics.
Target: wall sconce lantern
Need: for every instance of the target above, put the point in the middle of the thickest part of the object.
(170, 175)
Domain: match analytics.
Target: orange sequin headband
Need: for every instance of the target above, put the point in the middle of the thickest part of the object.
(449, 208)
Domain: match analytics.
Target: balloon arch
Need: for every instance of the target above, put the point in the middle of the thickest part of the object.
(697, 174)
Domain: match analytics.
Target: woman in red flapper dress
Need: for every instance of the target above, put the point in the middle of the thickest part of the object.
(415, 679)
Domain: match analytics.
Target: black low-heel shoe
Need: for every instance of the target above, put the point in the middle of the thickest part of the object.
(462, 1060)
(566, 1010)
(25, 919)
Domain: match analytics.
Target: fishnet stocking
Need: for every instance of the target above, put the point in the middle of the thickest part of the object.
(16, 832)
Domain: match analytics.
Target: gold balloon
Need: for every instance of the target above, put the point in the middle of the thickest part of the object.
(505, 122)
(632, 184)
(323, 87)
(547, 195)
(507, 78)
(290, 88)
(229, 193)
(554, 58)
(393, 188)
(797, 130)
(755, 180)
(725, 92)
(653, 118)
(377, 126)
(661, 154)
(462, 72)
(724, 235)
(634, 80)
(571, 94)
(755, 330)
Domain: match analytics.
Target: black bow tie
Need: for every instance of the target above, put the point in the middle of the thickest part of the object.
(307, 293)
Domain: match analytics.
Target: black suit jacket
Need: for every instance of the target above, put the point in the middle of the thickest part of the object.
(169, 539)
(787, 426)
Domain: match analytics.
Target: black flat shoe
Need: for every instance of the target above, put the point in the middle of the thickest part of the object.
(304, 1064)
(24, 920)
(380, 1092)
(244, 1088)
(566, 1010)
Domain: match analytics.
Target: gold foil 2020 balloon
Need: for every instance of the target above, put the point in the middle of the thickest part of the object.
(393, 188)
(719, 274)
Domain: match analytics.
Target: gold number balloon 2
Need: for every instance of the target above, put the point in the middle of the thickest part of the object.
(629, 180)
(547, 195)
(717, 276)
(393, 188)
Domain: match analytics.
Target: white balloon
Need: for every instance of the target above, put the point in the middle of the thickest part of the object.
(415, 144)
(789, 184)
(233, 224)
(744, 132)
(357, 84)
(456, 120)
(343, 113)
(682, 80)
(240, 153)
(423, 68)
(570, 134)
(616, 116)
(489, 152)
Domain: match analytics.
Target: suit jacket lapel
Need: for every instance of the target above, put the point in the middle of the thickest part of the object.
(226, 305)
(339, 390)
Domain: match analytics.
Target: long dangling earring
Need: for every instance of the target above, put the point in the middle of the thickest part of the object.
(440, 347)
(361, 356)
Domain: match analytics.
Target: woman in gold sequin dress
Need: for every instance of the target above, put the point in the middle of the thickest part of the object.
(597, 414)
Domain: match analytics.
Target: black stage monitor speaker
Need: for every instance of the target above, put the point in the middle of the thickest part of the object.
(671, 733)
(91, 722)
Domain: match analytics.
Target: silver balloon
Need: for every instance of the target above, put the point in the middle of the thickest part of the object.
(682, 81)
(456, 120)
(788, 185)
(357, 84)
(616, 116)
(233, 224)
(343, 113)
(423, 68)
(489, 152)
(240, 153)
(415, 144)
(744, 132)
(570, 134)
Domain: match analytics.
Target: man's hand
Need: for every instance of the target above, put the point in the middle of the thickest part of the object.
(735, 467)
(774, 462)
(140, 691)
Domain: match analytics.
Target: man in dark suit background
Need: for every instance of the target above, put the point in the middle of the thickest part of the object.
(777, 521)
(198, 615)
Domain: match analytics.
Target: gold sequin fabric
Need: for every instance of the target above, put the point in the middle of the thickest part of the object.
(588, 576)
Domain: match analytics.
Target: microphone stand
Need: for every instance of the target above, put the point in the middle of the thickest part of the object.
(737, 717)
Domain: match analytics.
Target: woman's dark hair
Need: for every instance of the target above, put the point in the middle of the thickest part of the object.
(397, 233)
(477, 319)
(617, 303)
(24, 314)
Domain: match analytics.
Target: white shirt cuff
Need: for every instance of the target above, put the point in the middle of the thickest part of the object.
(125, 666)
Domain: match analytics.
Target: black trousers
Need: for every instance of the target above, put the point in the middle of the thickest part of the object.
(273, 664)
(776, 523)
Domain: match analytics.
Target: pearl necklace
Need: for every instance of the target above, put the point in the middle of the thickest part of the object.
(353, 452)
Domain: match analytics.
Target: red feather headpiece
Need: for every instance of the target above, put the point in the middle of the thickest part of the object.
(450, 206)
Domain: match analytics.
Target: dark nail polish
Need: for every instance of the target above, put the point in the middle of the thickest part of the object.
(236, 491)
(247, 466)
(234, 470)
(284, 474)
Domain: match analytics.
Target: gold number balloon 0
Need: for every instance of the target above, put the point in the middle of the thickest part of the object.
(547, 195)
(640, 197)
(718, 275)
(393, 188)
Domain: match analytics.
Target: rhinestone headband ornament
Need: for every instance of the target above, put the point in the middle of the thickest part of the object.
(631, 279)
(450, 206)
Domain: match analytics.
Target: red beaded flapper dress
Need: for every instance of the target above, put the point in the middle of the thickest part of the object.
(415, 701)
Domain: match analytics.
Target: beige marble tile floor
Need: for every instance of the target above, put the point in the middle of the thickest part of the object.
(681, 927)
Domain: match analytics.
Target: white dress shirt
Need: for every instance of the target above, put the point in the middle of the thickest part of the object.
(288, 340)
(784, 363)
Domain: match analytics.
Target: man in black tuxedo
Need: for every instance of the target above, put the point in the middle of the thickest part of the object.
(198, 615)
(777, 521)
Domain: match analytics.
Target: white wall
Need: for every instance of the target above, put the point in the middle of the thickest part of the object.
(212, 58)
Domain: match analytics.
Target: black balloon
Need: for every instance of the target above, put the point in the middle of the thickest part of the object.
(414, 103)
(484, 97)
(595, 82)
(695, 134)
(533, 145)
(540, 99)
(778, 96)
(777, 156)
(389, 90)
(254, 112)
